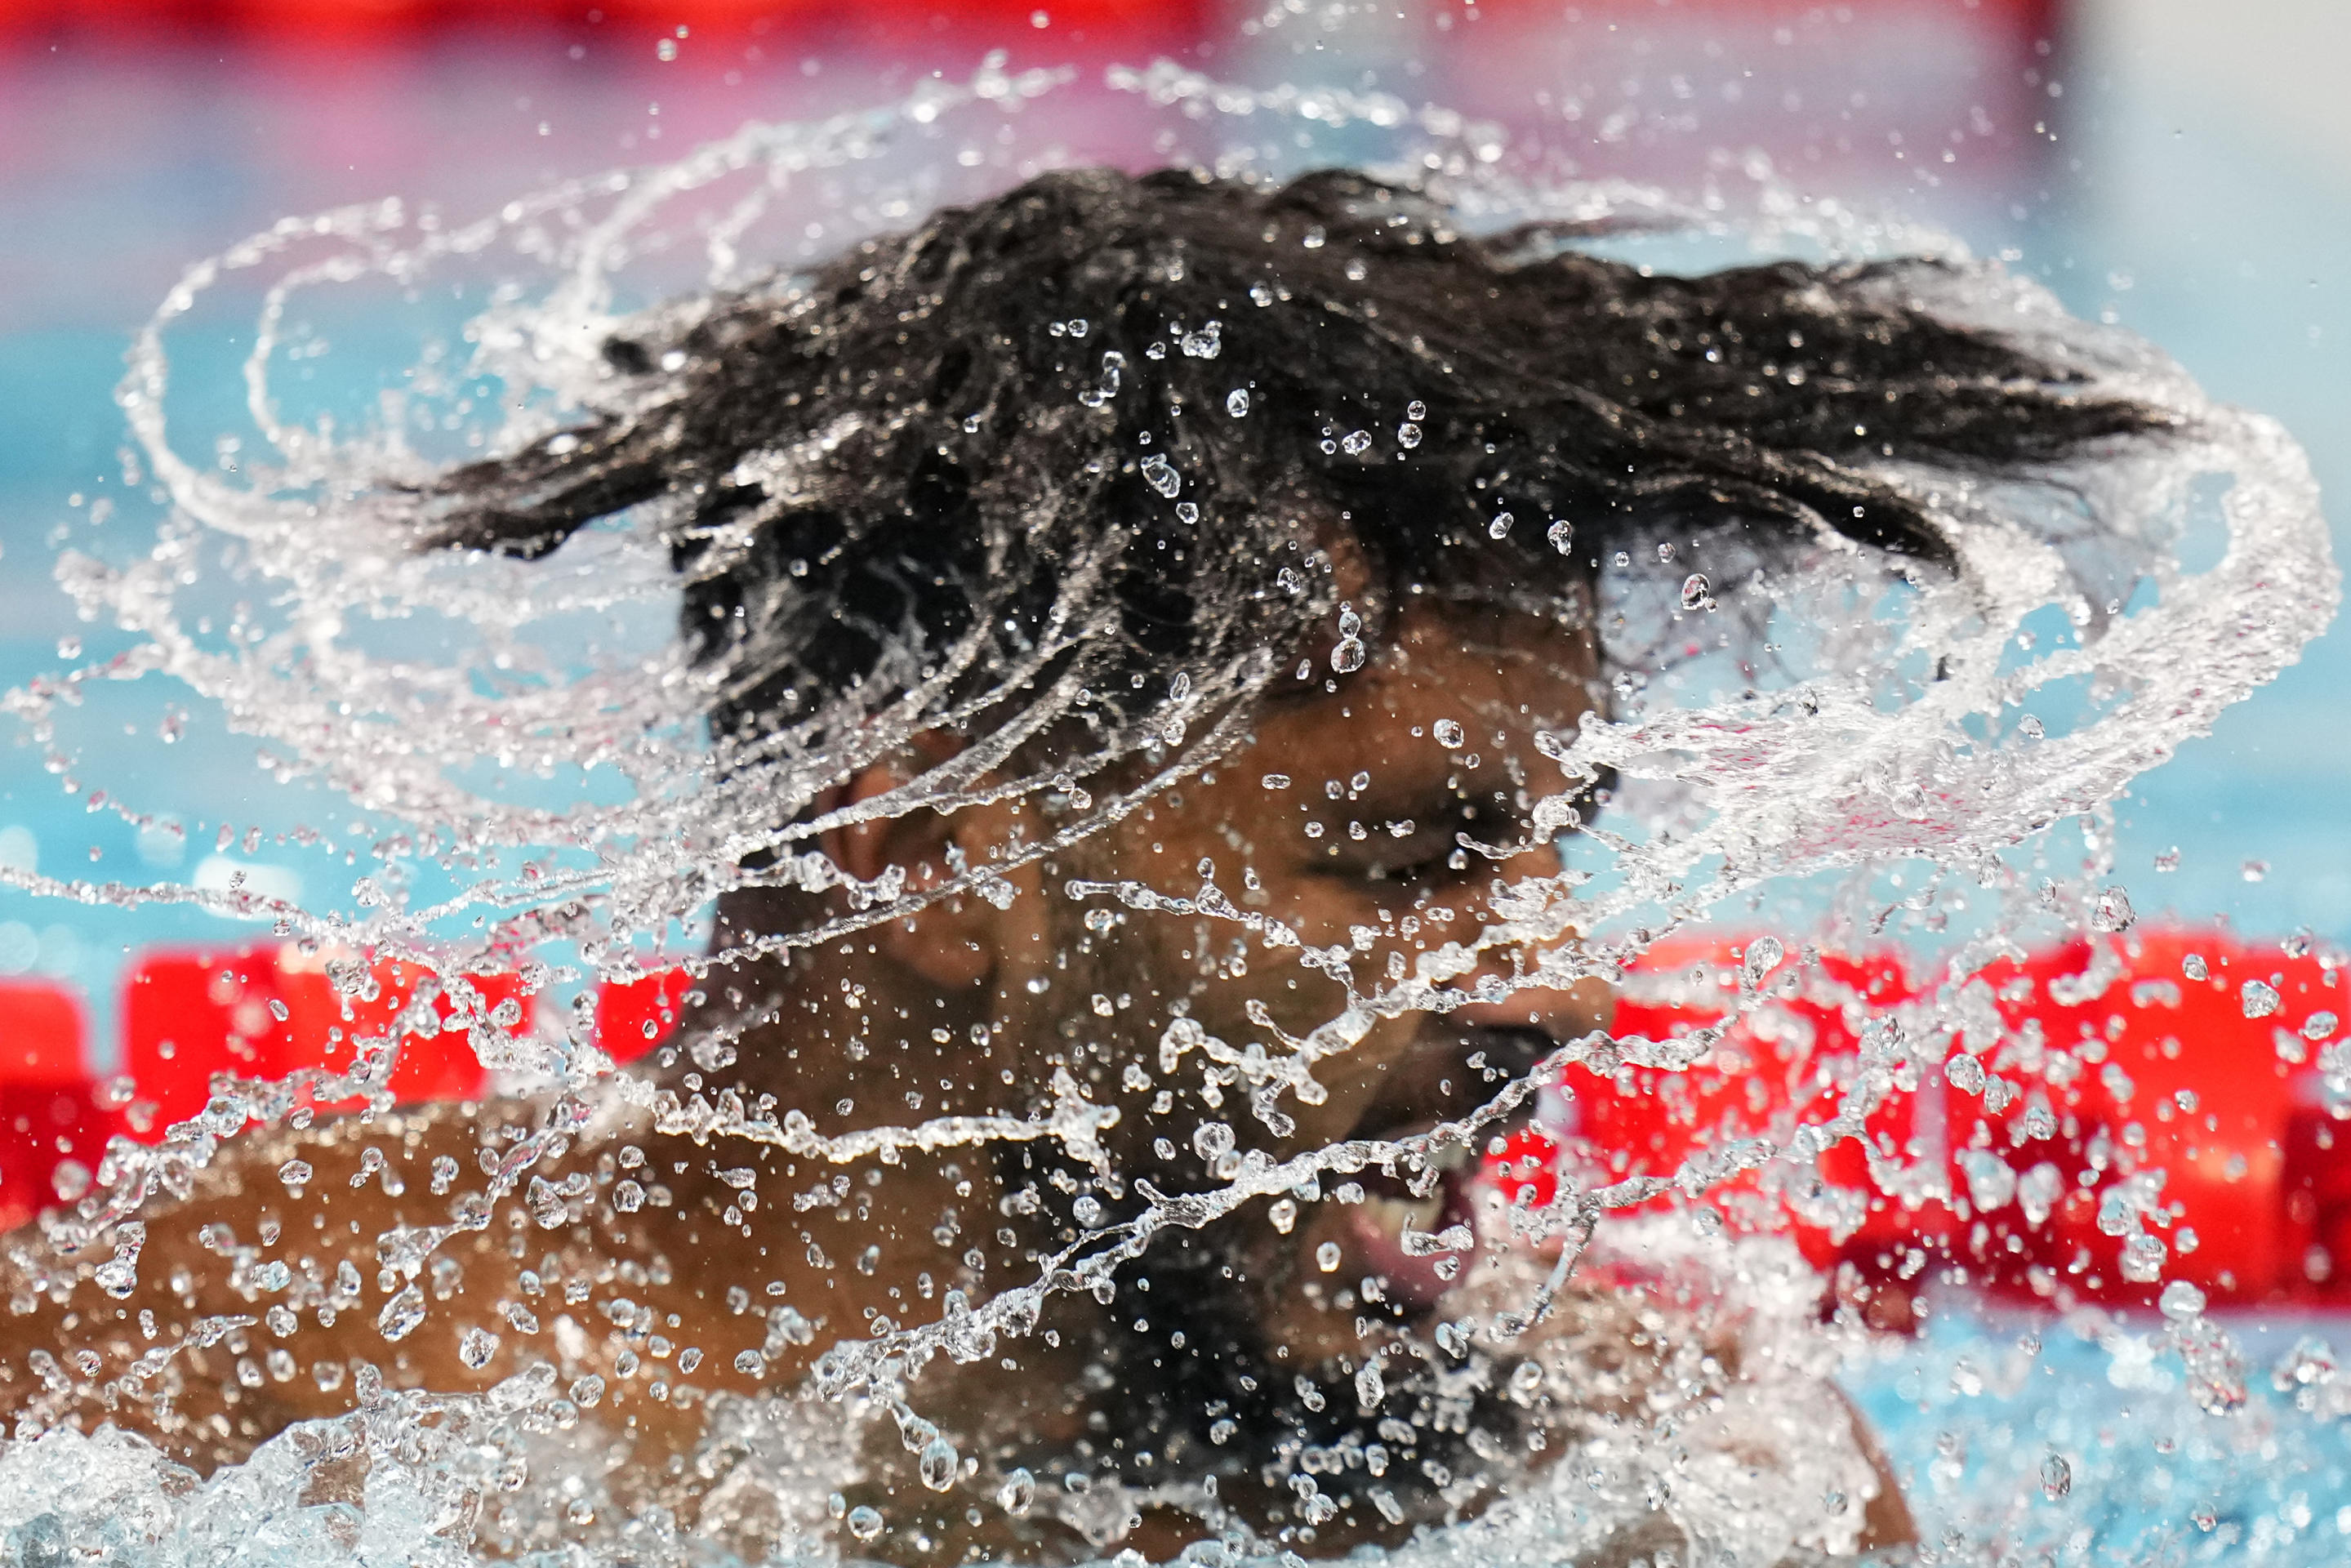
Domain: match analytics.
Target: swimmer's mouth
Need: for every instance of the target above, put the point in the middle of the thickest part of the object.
(1415, 1233)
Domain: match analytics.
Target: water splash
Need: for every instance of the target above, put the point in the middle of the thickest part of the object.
(1886, 730)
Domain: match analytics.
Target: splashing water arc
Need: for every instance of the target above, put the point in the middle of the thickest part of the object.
(1838, 744)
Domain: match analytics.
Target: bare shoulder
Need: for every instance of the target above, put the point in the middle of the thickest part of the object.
(448, 1248)
(208, 1306)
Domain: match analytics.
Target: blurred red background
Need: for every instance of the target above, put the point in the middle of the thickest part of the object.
(376, 21)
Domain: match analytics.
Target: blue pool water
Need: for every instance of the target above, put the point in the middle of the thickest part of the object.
(2073, 1442)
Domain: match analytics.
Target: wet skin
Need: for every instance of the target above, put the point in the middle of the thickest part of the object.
(966, 1009)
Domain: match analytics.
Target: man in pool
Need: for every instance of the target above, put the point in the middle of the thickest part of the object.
(1194, 576)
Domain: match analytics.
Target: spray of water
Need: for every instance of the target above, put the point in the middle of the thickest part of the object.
(527, 755)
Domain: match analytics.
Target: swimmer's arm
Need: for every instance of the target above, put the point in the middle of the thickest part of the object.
(248, 1305)
(209, 1352)
(1886, 1521)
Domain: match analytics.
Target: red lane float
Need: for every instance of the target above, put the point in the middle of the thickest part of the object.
(2190, 1053)
(1786, 1064)
(2029, 1165)
(634, 1016)
(51, 1111)
(256, 1011)
(264, 1012)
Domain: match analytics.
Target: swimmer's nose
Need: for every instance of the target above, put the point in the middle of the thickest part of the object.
(1556, 1014)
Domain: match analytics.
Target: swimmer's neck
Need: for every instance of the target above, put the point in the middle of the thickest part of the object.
(842, 1022)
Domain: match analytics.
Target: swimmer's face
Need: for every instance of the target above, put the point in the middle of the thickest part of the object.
(1343, 820)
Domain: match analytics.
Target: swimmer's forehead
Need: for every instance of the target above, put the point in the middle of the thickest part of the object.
(1477, 657)
(1498, 674)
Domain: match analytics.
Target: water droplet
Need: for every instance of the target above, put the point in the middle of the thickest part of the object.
(2194, 967)
(1500, 527)
(1326, 1257)
(1370, 1386)
(2112, 911)
(937, 1464)
(1236, 402)
(1696, 590)
(476, 1346)
(1355, 442)
(1416, 410)
(1407, 435)
(1204, 344)
(2258, 998)
(1448, 733)
(295, 1172)
(1562, 535)
(2180, 1300)
(402, 1314)
(1160, 476)
(1019, 1490)
(2318, 1025)
(1283, 1214)
(864, 1522)
(1763, 955)
(1348, 656)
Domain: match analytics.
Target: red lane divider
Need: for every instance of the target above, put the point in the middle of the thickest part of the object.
(634, 1016)
(381, 21)
(1786, 1065)
(2027, 1164)
(2101, 1078)
(264, 1012)
(256, 1011)
(50, 1110)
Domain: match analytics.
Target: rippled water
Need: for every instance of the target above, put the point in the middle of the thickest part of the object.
(1815, 747)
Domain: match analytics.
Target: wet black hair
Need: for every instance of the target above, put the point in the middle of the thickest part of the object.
(1110, 410)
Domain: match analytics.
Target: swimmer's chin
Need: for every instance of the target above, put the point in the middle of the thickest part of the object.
(1390, 1257)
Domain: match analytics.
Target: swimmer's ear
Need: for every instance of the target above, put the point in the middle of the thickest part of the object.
(954, 943)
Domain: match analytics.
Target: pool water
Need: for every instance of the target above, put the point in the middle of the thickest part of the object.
(2036, 1438)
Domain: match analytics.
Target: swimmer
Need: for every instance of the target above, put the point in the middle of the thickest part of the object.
(1279, 432)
